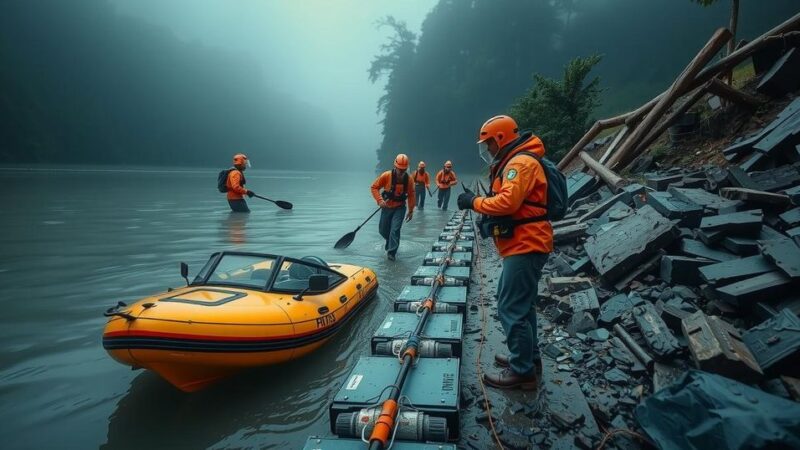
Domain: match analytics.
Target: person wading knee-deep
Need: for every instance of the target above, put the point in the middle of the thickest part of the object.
(444, 180)
(422, 183)
(235, 184)
(515, 214)
(392, 190)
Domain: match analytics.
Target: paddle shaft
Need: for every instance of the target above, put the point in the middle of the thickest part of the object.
(280, 204)
(264, 198)
(367, 220)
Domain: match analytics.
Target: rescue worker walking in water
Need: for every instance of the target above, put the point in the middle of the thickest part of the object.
(516, 213)
(392, 190)
(235, 184)
(445, 179)
(422, 183)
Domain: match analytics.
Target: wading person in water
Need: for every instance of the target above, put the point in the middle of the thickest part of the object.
(515, 212)
(392, 190)
(444, 180)
(422, 183)
(235, 184)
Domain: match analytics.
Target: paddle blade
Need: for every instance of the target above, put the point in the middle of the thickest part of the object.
(283, 204)
(346, 240)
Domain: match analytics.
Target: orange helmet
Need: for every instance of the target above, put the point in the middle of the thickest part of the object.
(502, 129)
(421, 164)
(240, 159)
(401, 161)
(448, 164)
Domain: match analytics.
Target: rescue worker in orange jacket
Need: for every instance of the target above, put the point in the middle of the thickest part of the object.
(445, 179)
(422, 183)
(392, 190)
(236, 184)
(515, 214)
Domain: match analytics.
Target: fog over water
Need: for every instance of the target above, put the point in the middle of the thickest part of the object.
(317, 51)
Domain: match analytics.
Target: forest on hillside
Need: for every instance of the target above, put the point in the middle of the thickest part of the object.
(475, 59)
(81, 84)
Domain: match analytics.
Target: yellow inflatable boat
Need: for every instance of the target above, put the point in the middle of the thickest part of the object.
(242, 310)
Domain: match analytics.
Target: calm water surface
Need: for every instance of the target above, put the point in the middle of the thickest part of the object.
(75, 241)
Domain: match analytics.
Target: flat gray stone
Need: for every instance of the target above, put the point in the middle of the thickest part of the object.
(727, 272)
(634, 239)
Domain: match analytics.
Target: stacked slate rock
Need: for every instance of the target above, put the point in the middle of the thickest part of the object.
(690, 269)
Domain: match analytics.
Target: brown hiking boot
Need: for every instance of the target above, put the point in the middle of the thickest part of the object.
(508, 379)
(501, 359)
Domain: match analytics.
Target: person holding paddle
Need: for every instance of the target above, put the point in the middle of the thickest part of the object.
(445, 179)
(235, 184)
(422, 182)
(231, 182)
(392, 190)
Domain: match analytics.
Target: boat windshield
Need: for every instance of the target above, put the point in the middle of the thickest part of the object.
(294, 276)
(249, 271)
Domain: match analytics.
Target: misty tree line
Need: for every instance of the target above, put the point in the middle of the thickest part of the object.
(81, 84)
(554, 64)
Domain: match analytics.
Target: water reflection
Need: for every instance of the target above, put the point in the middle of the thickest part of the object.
(233, 227)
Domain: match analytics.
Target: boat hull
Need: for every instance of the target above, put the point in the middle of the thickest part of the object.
(193, 354)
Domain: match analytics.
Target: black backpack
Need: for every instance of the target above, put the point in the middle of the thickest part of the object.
(556, 187)
(222, 180)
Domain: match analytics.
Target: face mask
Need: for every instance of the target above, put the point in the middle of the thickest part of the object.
(483, 152)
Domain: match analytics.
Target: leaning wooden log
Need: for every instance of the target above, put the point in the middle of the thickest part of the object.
(598, 126)
(617, 139)
(614, 181)
(672, 117)
(681, 85)
(730, 93)
(785, 30)
(638, 114)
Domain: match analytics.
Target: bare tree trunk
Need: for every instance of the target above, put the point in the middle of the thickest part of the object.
(732, 28)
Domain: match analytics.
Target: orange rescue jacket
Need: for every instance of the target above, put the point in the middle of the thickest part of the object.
(425, 178)
(522, 182)
(235, 184)
(445, 180)
(384, 183)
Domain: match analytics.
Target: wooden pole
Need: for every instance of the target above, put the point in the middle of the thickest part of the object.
(672, 117)
(732, 43)
(598, 126)
(732, 60)
(614, 181)
(681, 84)
(729, 62)
(638, 114)
(727, 92)
(610, 151)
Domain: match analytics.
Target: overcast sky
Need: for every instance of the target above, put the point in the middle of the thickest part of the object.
(317, 51)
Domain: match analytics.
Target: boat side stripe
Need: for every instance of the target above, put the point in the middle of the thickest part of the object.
(169, 341)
